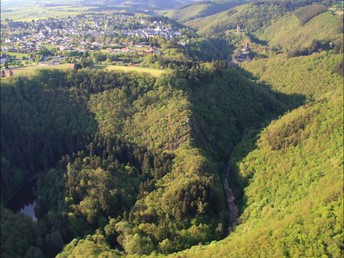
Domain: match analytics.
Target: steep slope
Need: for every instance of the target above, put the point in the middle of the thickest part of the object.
(187, 12)
(290, 34)
(292, 175)
(201, 9)
(293, 199)
(251, 17)
(311, 76)
(154, 4)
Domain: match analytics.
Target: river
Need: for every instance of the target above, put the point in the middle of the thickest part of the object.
(232, 207)
(24, 201)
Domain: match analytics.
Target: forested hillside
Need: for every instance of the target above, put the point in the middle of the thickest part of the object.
(306, 34)
(212, 157)
(294, 27)
(126, 157)
(311, 76)
(292, 181)
(293, 200)
(291, 173)
(201, 9)
(251, 16)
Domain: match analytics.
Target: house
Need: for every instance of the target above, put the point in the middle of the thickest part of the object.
(3, 58)
(241, 57)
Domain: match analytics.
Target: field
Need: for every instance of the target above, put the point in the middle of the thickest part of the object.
(29, 12)
(30, 70)
(18, 55)
(152, 71)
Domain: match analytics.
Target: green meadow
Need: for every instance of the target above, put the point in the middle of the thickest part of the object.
(152, 71)
(30, 70)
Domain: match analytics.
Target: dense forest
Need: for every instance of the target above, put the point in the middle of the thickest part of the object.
(126, 156)
(126, 164)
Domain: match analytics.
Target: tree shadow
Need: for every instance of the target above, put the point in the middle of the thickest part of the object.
(41, 121)
(46, 123)
(257, 40)
(229, 106)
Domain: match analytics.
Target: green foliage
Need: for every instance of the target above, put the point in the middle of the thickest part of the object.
(288, 34)
(293, 198)
(132, 162)
(215, 49)
(18, 234)
(339, 68)
(200, 10)
(131, 155)
(311, 76)
(161, 216)
(289, 134)
(306, 13)
(188, 12)
(138, 244)
(252, 18)
(92, 246)
(43, 123)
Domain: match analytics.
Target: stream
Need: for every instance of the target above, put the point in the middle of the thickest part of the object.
(24, 201)
(233, 208)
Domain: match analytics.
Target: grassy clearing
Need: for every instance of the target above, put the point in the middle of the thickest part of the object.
(30, 70)
(152, 71)
(17, 55)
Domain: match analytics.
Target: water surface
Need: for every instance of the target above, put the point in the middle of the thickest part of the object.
(24, 201)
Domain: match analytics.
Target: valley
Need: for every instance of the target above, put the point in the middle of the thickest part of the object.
(172, 129)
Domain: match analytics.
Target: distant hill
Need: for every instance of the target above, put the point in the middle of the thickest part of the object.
(201, 9)
(250, 16)
(290, 34)
(311, 76)
(214, 17)
(158, 4)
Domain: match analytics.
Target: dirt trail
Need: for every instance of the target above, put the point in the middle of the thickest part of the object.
(233, 209)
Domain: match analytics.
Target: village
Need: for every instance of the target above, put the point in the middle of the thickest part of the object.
(122, 36)
(93, 38)
(83, 32)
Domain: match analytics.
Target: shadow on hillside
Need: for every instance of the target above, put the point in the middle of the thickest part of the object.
(291, 101)
(257, 40)
(41, 121)
(228, 106)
